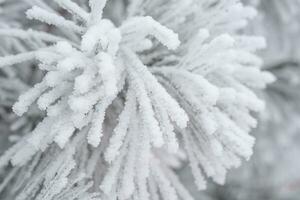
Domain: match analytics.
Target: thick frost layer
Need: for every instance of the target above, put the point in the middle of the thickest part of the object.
(191, 101)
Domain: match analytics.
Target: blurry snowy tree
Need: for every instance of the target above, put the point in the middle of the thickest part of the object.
(273, 172)
(278, 22)
(122, 100)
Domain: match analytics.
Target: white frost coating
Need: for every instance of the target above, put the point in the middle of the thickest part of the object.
(48, 98)
(28, 98)
(150, 27)
(127, 181)
(121, 129)
(16, 59)
(120, 110)
(95, 133)
(103, 35)
(73, 8)
(64, 135)
(144, 103)
(96, 10)
(52, 19)
(64, 47)
(107, 70)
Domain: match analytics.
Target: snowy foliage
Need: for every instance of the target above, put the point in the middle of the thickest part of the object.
(273, 171)
(277, 138)
(126, 104)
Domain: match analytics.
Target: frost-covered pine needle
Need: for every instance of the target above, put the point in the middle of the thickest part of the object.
(124, 102)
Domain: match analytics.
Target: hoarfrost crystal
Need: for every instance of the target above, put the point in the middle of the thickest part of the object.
(124, 105)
